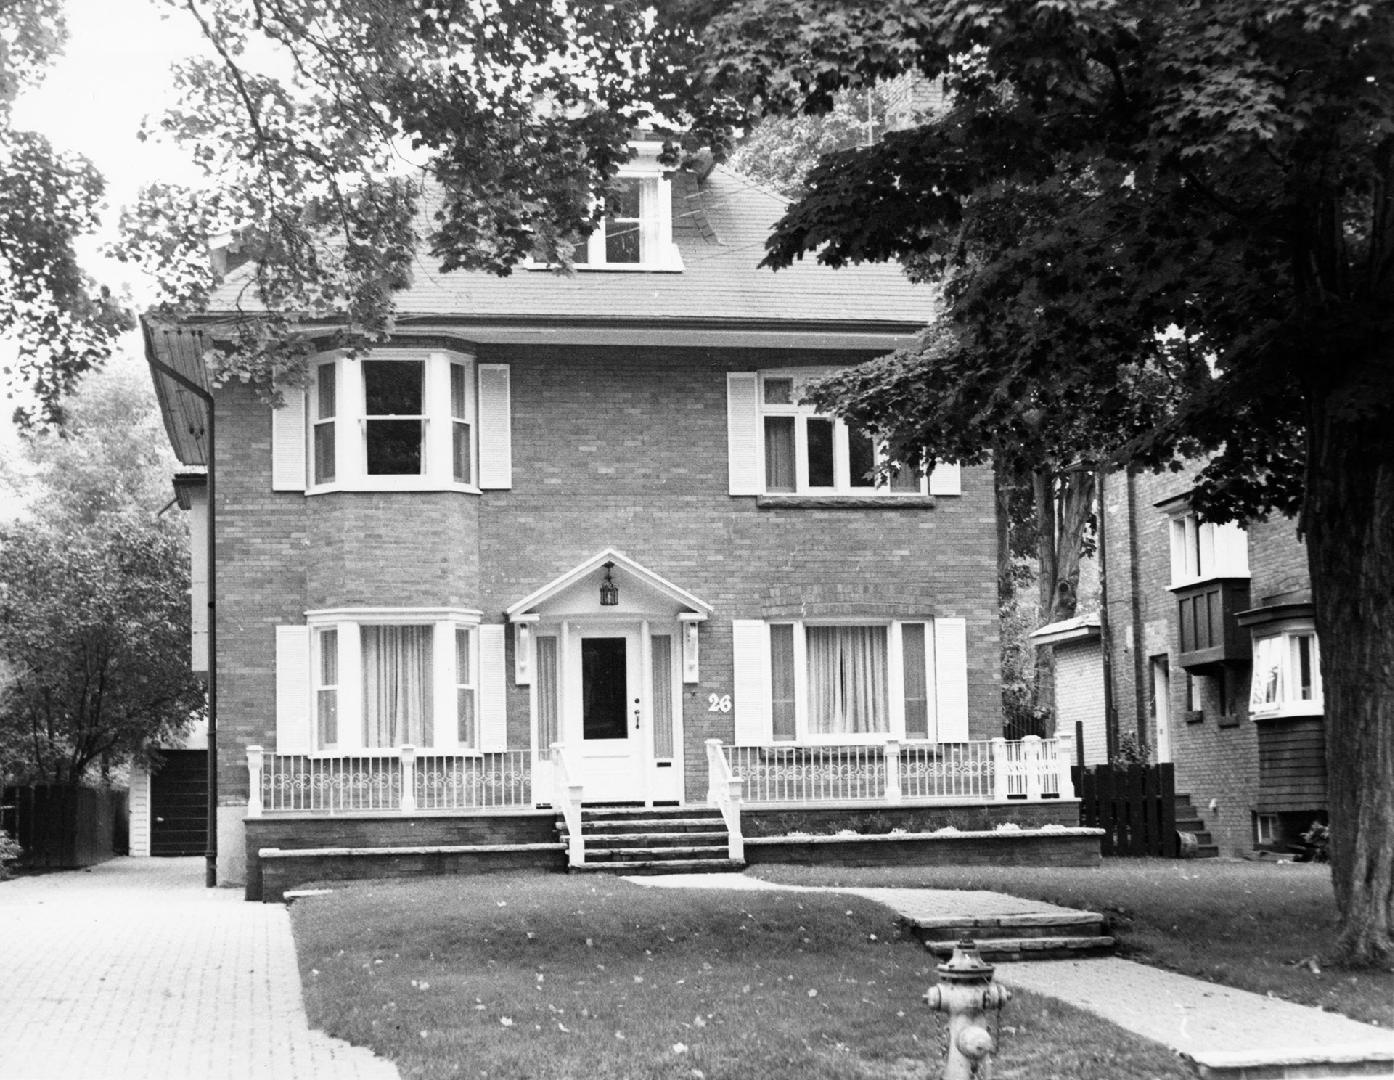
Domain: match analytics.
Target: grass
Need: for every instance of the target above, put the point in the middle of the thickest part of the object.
(572, 978)
(1258, 926)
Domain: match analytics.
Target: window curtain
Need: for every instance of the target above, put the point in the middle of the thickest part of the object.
(847, 680)
(396, 686)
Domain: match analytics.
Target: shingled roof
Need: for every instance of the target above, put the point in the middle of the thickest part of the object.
(720, 229)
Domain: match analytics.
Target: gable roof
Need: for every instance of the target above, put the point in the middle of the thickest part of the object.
(587, 576)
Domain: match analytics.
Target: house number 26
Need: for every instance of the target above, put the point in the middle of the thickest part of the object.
(718, 703)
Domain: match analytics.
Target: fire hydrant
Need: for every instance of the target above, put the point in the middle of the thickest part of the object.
(966, 992)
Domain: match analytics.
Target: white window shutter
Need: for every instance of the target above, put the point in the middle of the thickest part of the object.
(495, 427)
(288, 441)
(951, 679)
(743, 435)
(1231, 551)
(493, 690)
(751, 682)
(946, 479)
(293, 690)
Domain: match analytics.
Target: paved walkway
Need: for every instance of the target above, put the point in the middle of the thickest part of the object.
(134, 971)
(1220, 1028)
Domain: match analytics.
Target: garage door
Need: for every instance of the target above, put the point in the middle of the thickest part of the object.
(179, 804)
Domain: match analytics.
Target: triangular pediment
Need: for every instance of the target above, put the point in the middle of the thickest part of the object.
(641, 592)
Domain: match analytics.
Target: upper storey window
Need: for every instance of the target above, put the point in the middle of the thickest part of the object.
(1201, 550)
(636, 232)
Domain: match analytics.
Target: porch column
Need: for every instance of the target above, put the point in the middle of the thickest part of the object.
(1065, 782)
(893, 770)
(254, 768)
(1031, 763)
(999, 769)
(408, 799)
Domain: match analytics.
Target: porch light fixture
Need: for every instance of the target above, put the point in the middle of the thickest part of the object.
(609, 591)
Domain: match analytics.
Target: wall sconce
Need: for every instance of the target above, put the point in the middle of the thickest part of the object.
(609, 591)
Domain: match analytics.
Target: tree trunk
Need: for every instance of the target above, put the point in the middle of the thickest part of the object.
(1348, 519)
(1064, 504)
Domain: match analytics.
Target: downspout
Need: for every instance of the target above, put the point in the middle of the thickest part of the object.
(1105, 637)
(210, 855)
(1139, 632)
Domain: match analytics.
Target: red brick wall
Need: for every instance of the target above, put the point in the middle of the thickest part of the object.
(622, 448)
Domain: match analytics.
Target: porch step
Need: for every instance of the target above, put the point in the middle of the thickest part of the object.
(651, 840)
(1188, 820)
(662, 866)
(1039, 936)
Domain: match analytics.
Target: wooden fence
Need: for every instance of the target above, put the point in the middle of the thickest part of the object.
(1135, 805)
(63, 827)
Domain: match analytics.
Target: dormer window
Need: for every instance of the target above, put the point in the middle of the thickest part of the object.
(636, 232)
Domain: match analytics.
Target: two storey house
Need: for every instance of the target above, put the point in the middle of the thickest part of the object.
(574, 541)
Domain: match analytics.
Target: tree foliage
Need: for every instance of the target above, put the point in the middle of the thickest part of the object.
(94, 606)
(60, 322)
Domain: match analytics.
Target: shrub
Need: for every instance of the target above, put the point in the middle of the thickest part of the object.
(10, 852)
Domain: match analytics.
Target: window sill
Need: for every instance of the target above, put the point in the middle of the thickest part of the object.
(378, 489)
(1283, 712)
(1208, 579)
(845, 502)
(611, 268)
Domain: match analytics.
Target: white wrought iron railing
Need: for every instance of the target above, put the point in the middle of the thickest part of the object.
(724, 791)
(406, 781)
(981, 771)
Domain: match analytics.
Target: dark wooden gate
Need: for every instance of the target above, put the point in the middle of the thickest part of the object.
(179, 804)
(1135, 805)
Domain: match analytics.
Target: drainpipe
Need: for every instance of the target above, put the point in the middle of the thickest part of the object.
(210, 855)
(1139, 633)
(1105, 636)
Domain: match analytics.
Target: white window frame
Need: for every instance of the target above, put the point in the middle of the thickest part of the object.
(350, 422)
(895, 681)
(842, 471)
(1204, 550)
(444, 678)
(1282, 643)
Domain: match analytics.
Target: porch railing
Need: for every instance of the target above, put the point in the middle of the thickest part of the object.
(724, 792)
(404, 781)
(568, 799)
(983, 771)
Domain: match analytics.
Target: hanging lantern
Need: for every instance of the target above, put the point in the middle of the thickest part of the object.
(609, 591)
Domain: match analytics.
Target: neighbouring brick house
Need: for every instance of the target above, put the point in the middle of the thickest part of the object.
(1214, 661)
(588, 512)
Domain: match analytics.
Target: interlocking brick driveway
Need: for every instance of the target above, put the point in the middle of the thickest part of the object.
(135, 970)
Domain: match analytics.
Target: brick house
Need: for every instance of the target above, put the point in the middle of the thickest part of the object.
(1214, 661)
(562, 534)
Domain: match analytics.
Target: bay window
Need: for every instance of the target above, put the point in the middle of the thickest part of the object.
(394, 420)
(1201, 550)
(382, 679)
(1287, 672)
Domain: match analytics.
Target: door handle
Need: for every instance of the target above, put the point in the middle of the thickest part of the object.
(636, 715)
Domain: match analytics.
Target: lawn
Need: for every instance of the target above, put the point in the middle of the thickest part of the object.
(1255, 925)
(582, 978)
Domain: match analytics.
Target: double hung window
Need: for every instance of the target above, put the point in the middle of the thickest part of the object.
(636, 229)
(806, 453)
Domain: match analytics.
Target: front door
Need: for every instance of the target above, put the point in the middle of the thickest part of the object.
(607, 713)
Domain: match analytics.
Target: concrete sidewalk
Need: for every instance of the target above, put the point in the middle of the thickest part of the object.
(1231, 1034)
(134, 971)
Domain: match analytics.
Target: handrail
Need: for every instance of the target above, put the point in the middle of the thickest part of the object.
(724, 790)
(569, 801)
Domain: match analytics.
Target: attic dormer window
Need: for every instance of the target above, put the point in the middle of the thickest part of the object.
(636, 232)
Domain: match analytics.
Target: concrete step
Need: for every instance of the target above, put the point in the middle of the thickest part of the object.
(1031, 948)
(662, 824)
(989, 927)
(656, 839)
(665, 866)
(655, 854)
